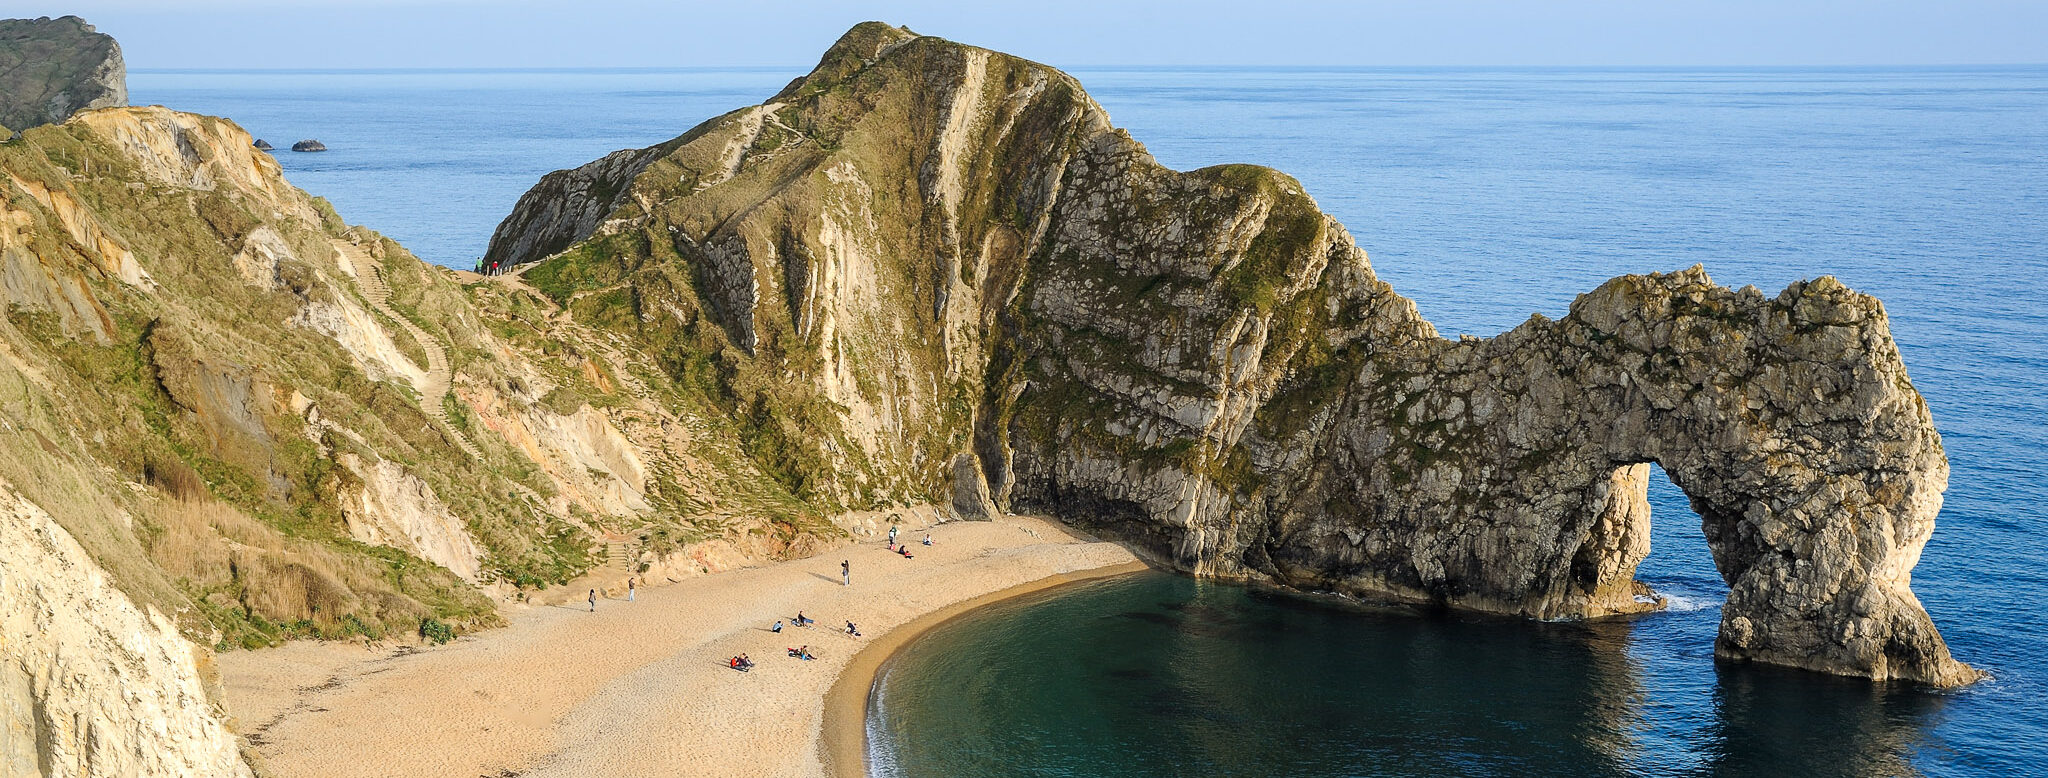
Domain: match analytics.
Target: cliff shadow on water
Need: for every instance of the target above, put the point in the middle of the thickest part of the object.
(1158, 675)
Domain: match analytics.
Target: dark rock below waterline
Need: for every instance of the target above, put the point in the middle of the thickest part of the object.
(309, 145)
(263, 145)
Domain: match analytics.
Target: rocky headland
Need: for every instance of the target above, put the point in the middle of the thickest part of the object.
(928, 271)
(925, 279)
(53, 68)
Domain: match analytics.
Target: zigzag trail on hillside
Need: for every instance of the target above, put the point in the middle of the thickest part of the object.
(440, 376)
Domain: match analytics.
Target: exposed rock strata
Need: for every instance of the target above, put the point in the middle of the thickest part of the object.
(928, 271)
(91, 685)
(53, 68)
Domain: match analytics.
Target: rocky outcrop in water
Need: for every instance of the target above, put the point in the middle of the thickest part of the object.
(53, 68)
(931, 272)
(309, 145)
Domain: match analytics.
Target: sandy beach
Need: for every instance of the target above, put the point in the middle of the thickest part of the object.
(642, 688)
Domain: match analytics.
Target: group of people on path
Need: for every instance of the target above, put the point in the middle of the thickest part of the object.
(491, 268)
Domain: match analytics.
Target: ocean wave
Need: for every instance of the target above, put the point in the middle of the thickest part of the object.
(1675, 602)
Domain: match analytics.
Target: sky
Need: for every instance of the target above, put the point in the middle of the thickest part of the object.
(291, 34)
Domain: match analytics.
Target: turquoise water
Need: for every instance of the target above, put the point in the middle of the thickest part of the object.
(1485, 195)
(1160, 675)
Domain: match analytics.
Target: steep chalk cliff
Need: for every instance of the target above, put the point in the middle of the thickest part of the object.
(53, 68)
(91, 685)
(928, 271)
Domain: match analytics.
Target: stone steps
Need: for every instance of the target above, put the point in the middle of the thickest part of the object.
(619, 555)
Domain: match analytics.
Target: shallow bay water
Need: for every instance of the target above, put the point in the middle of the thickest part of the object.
(1485, 195)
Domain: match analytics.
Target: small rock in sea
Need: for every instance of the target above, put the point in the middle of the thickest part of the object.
(263, 145)
(309, 145)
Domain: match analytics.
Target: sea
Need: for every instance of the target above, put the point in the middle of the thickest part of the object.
(1486, 195)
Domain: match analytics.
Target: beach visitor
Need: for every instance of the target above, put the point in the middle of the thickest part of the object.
(845, 572)
(593, 601)
(777, 629)
(892, 534)
(629, 589)
(927, 538)
(852, 630)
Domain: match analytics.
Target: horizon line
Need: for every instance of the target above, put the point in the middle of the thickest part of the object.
(1209, 66)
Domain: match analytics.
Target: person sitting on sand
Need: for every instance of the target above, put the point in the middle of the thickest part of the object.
(927, 538)
(804, 621)
(906, 553)
(777, 629)
(852, 630)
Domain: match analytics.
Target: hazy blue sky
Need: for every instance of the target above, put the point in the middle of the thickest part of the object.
(1070, 33)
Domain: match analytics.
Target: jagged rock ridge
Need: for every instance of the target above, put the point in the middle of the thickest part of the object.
(928, 271)
(53, 68)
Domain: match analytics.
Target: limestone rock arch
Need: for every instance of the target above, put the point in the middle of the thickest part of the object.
(935, 273)
(1513, 477)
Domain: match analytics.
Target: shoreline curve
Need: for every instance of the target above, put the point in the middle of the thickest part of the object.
(844, 737)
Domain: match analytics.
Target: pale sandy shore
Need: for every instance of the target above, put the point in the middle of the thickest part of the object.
(642, 688)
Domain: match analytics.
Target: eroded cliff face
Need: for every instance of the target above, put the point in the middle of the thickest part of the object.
(90, 684)
(268, 424)
(930, 272)
(52, 68)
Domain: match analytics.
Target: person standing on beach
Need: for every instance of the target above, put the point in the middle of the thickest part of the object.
(593, 601)
(629, 589)
(892, 534)
(845, 572)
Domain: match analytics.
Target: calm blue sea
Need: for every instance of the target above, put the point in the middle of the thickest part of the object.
(1486, 195)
